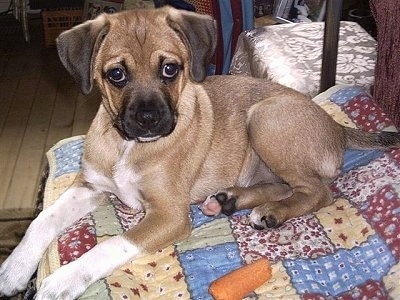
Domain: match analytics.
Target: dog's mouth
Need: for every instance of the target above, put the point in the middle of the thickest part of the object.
(145, 138)
(142, 137)
(145, 122)
(148, 139)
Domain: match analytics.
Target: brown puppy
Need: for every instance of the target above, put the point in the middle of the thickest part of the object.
(166, 136)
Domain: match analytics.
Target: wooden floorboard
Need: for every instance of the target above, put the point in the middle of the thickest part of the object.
(11, 139)
(86, 108)
(7, 88)
(27, 169)
(40, 104)
(64, 111)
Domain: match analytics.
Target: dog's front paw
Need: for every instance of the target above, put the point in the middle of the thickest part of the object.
(222, 202)
(14, 275)
(17, 270)
(63, 284)
(266, 216)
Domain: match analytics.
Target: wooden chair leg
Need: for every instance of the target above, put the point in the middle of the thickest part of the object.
(24, 20)
(331, 42)
(15, 4)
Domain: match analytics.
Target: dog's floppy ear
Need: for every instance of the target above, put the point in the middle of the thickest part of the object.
(199, 34)
(78, 47)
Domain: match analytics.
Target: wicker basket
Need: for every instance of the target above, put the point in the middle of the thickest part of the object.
(56, 21)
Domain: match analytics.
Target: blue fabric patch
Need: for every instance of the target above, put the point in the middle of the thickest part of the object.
(198, 218)
(342, 271)
(68, 157)
(342, 96)
(356, 158)
(211, 263)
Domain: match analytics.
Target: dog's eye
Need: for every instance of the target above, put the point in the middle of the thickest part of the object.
(117, 77)
(169, 71)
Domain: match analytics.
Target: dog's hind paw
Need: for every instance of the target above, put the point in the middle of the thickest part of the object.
(227, 203)
(261, 220)
(221, 202)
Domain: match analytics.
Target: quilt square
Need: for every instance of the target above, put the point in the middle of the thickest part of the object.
(336, 113)
(126, 216)
(159, 275)
(369, 290)
(357, 158)
(77, 240)
(345, 94)
(202, 266)
(366, 114)
(298, 237)
(198, 218)
(357, 185)
(209, 234)
(395, 155)
(391, 282)
(68, 157)
(279, 286)
(343, 224)
(383, 212)
(334, 274)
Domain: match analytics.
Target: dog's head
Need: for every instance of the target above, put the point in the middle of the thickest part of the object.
(141, 61)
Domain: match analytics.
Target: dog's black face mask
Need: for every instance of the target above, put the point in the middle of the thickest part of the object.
(146, 118)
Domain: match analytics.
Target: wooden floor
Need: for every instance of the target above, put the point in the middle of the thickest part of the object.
(39, 105)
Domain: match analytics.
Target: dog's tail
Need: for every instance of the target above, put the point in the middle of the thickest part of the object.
(358, 139)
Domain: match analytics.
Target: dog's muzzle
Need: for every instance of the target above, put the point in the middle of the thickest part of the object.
(146, 119)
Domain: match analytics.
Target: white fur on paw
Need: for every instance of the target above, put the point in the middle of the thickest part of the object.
(14, 275)
(63, 284)
(71, 281)
(255, 218)
(263, 220)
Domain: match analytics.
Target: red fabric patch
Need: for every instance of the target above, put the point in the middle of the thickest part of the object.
(383, 214)
(395, 154)
(369, 290)
(356, 185)
(366, 114)
(77, 240)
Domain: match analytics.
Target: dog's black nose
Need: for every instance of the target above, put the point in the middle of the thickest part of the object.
(146, 116)
(148, 119)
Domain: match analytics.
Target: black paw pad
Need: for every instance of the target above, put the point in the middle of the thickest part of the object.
(228, 206)
(270, 221)
(258, 227)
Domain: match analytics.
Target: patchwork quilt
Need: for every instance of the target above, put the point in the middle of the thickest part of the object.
(348, 250)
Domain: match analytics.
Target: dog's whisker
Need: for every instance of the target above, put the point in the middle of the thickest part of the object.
(113, 109)
(185, 117)
(113, 115)
(107, 129)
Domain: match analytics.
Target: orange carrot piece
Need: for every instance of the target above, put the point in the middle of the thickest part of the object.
(239, 283)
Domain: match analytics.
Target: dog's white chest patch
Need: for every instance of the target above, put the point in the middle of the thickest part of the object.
(123, 183)
(126, 182)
